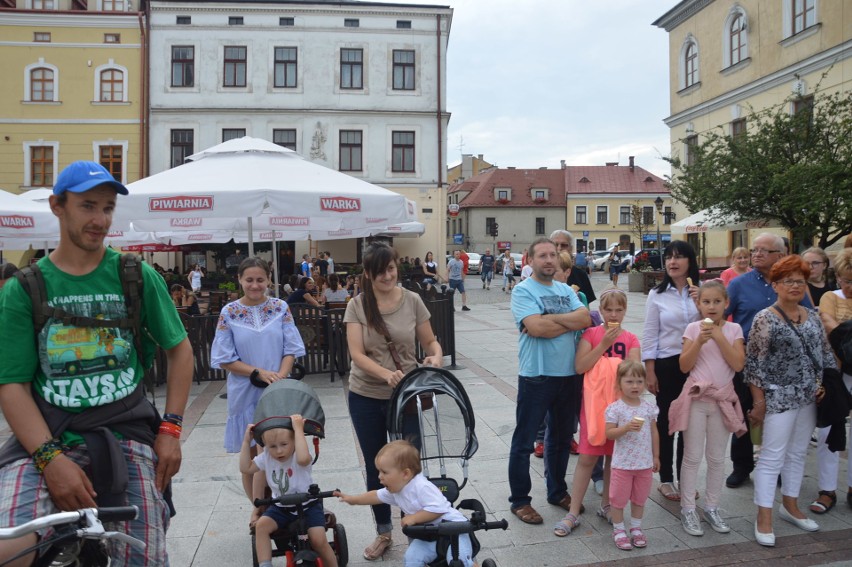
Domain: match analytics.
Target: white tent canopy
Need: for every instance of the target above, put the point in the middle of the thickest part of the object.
(701, 222)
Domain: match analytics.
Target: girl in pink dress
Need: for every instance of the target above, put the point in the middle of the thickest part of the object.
(606, 340)
(632, 423)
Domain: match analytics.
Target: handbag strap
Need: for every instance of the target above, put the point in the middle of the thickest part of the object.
(394, 353)
(817, 367)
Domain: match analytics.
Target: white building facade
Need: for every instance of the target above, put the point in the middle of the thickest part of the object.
(359, 87)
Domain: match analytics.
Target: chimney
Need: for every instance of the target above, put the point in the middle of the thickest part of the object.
(562, 164)
(631, 163)
(479, 157)
(611, 163)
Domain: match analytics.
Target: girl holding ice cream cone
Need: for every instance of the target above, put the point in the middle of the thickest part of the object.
(708, 409)
(632, 423)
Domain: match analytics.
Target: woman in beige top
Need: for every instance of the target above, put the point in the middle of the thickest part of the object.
(382, 311)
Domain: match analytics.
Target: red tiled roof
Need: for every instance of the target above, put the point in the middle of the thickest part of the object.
(520, 181)
(569, 180)
(612, 179)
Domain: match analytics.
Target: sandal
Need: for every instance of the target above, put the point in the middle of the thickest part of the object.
(819, 506)
(604, 512)
(378, 547)
(566, 525)
(527, 514)
(621, 540)
(669, 492)
(638, 538)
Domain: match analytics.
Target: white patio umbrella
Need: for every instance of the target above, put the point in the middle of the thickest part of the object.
(21, 218)
(702, 222)
(231, 185)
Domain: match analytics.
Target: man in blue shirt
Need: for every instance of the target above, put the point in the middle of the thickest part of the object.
(455, 276)
(547, 313)
(749, 294)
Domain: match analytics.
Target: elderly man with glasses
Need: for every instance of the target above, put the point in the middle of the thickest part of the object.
(749, 294)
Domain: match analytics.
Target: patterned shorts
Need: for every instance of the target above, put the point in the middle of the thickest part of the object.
(24, 497)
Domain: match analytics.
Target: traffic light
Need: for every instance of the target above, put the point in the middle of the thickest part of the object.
(494, 229)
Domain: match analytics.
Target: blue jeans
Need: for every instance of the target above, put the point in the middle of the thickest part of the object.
(558, 398)
(486, 276)
(369, 419)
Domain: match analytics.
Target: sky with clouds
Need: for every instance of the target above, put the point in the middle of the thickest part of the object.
(533, 82)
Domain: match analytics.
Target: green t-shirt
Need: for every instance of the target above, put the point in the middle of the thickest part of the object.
(81, 367)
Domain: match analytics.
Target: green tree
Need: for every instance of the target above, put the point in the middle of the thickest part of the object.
(795, 168)
(639, 224)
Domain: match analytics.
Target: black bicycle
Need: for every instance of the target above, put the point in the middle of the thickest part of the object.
(78, 539)
(447, 535)
(292, 542)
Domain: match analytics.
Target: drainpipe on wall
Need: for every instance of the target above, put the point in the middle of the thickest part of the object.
(142, 93)
(438, 112)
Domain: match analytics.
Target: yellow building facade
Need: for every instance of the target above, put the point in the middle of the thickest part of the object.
(729, 57)
(72, 90)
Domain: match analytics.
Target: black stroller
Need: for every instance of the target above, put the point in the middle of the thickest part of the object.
(278, 402)
(432, 405)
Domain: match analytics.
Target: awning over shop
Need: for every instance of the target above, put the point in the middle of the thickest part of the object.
(701, 222)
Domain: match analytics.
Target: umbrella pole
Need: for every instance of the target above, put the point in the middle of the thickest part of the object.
(275, 262)
(251, 238)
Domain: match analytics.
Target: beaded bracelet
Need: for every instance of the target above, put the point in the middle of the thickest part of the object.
(45, 453)
(171, 429)
(173, 418)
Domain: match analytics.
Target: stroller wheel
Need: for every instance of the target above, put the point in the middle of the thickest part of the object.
(489, 563)
(340, 546)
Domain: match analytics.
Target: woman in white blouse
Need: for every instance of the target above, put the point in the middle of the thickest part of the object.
(670, 307)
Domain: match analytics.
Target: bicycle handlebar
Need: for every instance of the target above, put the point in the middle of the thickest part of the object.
(114, 514)
(295, 498)
(453, 528)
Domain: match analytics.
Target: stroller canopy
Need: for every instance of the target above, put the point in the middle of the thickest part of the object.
(456, 441)
(281, 400)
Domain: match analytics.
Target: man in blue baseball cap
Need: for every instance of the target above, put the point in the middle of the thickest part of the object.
(70, 385)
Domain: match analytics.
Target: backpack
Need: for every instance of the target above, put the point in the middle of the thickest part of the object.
(130, 274)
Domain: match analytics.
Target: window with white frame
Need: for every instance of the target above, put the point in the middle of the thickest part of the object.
(690, 144)
(112, 157)
(111, 83)
(286, 66)
(648, 215)
(624, 214)
(43, 5)
(735, 44)
(803, 15)
(602, 215)
(113, 5)
(688, 74)
(40, 163)
(580, 215)
(41, 85)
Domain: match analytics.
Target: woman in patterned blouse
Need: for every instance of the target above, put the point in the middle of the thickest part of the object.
(787, 351)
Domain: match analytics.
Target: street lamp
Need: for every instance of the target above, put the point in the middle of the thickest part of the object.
(658, 202)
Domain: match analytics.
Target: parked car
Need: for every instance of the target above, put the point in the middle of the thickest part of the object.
(601, 263)
(650, 255)
(517, 256)
(596, 259)
(473, 260)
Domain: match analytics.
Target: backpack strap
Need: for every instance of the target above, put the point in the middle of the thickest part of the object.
(32, 280)
(130, 275)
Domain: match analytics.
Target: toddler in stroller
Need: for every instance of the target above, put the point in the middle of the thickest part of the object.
(294, 519)
(442, 535)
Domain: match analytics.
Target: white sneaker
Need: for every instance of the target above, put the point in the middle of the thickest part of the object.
(599, 486)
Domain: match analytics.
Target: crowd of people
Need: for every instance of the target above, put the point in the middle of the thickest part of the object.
(764, 354)
(747, 357)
